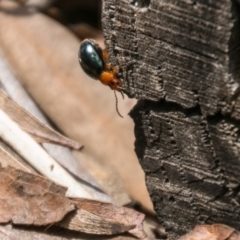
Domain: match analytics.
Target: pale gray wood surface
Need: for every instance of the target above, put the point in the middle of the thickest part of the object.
(181, 58)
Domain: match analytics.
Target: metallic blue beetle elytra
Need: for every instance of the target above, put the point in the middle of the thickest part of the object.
(94, 62)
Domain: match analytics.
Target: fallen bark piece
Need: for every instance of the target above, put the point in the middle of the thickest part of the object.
(30, 199)
(39, 131)
(212, 232)
(96, 217)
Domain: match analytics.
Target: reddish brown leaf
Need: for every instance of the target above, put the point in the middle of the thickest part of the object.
(235, 236)
(212, 232)
(30, 199)
(103, 218)
(9, 232)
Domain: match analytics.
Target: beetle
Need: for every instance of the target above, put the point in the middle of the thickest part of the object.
(94, 62)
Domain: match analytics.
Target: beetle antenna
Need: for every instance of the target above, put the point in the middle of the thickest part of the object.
(117, 103)
(121, 93)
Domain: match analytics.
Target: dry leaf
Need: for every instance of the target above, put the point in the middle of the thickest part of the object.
(104, 218)
(61, 154)
(9, 232)
(10, 158)
(212, 232)
(39, 131)
(30, 199)
(27, 148)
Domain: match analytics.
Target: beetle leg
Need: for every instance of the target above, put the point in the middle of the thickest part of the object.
(105, 55)
(108, 67)
(117, 104)
(115, 70)
(121, 94)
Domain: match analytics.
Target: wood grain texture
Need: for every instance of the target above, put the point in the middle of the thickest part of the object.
(181, 58)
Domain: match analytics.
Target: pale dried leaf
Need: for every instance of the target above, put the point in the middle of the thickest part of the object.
(27, 148)
(212, 232)
(61, 154)
(8, 159)
(30, 199)
(5, 158)
(39, 131)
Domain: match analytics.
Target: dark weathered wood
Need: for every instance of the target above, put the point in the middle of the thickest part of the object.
(182, 59)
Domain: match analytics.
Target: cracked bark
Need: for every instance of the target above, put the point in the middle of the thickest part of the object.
(181, 59)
